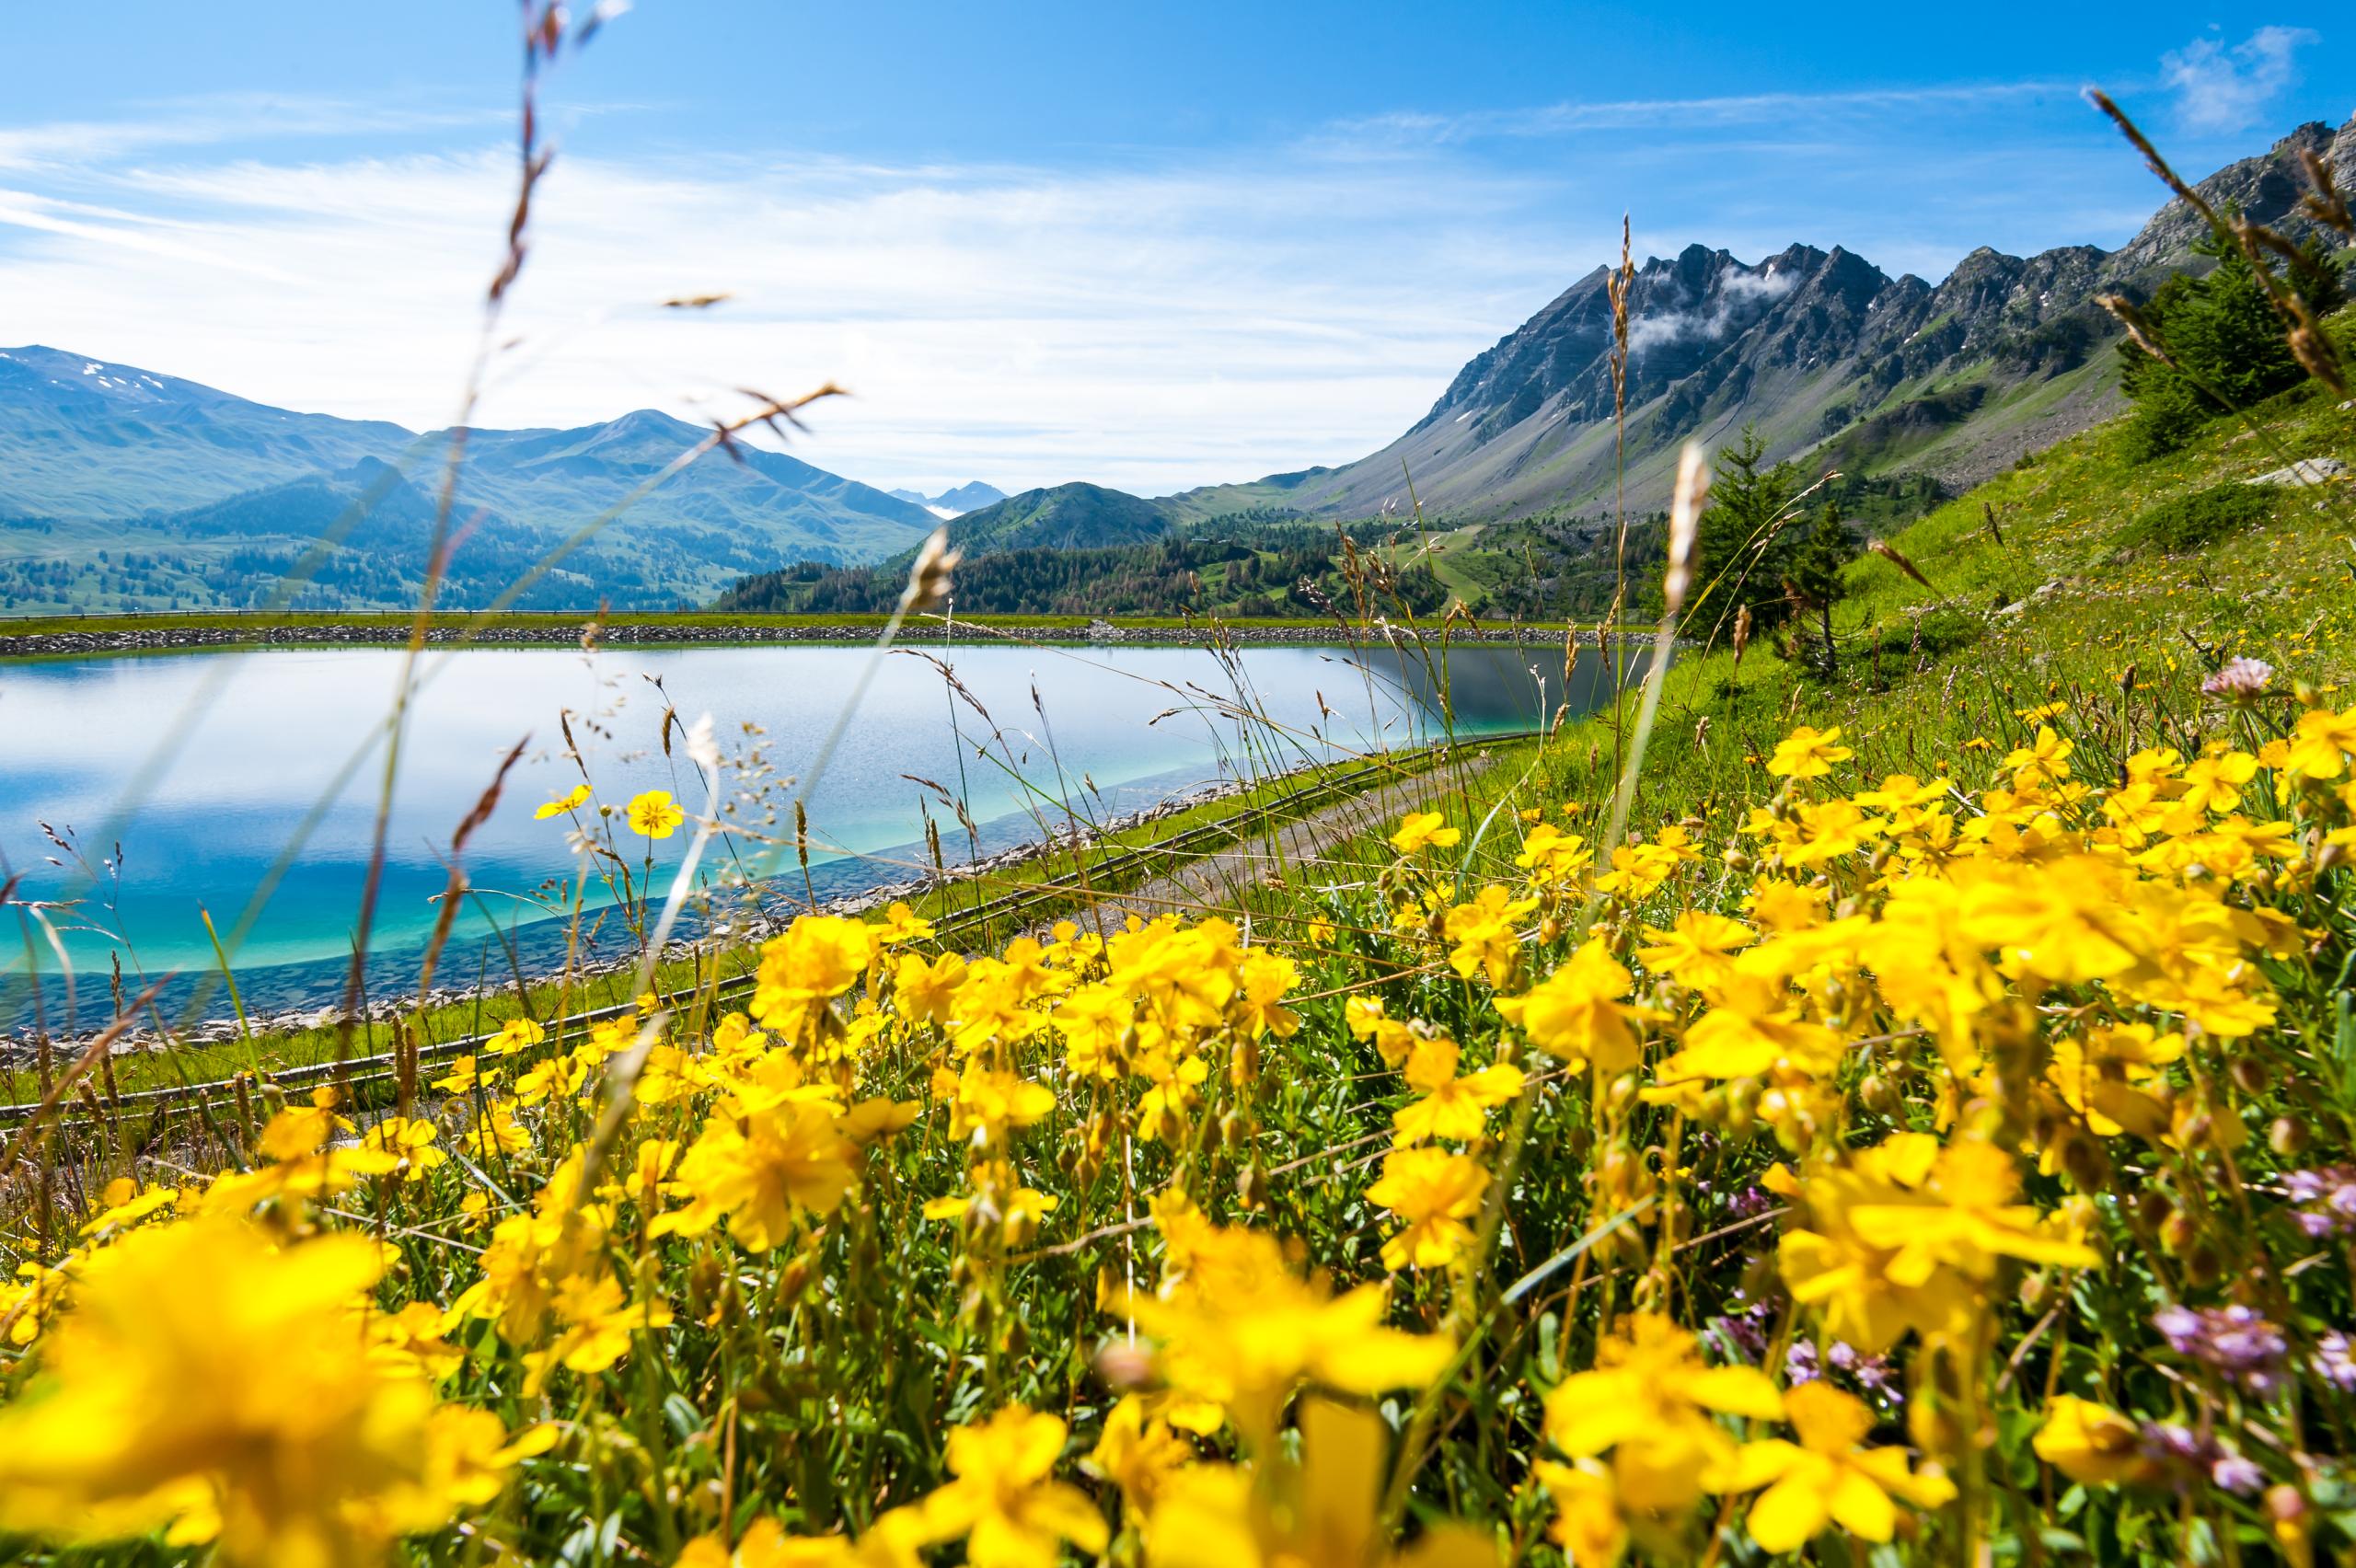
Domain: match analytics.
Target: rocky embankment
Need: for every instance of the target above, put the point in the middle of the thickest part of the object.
(229, 634)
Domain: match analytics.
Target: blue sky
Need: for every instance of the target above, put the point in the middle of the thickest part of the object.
(1148, 245)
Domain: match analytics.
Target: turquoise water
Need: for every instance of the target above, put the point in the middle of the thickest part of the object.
(203, 768)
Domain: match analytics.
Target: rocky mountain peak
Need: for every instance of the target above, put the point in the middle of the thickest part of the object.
(1834, 360)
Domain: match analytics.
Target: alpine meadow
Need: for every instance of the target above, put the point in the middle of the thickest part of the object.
(1738, 948)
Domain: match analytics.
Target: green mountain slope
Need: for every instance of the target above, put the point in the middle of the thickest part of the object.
(212, 496)
(1073, 516)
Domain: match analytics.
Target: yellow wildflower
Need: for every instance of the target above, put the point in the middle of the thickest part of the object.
(1005, 1500)
(655, 815)
(2090, 1442)
(1826, 1478)
(1809, 752)
(1648, 1403)
(1420, 830)
(1435, 1192)
(2320, 744)
(926, 992)
(759, 1169)
(902, 925)
(213, 1382)
(1696, 949)
(127, 1204)
(1241, 1330)
(558, 805)
(1138, 1453)
(516, 1034)
(1574, 1013)
(1484, 934)
(817, 959)
(1451, 1107)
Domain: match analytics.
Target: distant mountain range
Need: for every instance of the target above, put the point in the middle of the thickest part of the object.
(119, 486)
(199, 496)
(949, 503)
(1835, 362)
(1830, 356)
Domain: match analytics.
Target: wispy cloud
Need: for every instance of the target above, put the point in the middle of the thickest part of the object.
(1154, 323)
(1671, 116)
(1151, 327)
(2231, 87)
(222, 119)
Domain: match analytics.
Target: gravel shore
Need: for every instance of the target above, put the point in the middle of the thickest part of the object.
(329, 634)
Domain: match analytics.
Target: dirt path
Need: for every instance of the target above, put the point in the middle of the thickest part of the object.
(1299, 853)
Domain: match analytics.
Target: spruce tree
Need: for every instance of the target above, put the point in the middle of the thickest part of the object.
(1744, 543)
(2223, 332)
(1816, 581)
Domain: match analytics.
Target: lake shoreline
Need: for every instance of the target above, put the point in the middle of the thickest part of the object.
(21, 1047)
(360, 634)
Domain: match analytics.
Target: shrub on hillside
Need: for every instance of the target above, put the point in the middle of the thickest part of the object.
(2189, 522)
(2227, 343)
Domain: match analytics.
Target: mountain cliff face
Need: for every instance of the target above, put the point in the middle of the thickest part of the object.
(1831, 357)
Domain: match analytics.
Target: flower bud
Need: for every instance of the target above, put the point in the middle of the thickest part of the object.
(2178, 1231)
(1124, 1365)
(2084, 1162)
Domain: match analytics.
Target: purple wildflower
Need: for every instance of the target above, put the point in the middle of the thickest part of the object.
(2236, 1474)
(1800, 1364)
(2326, 1199)
(2235, 1340)
(2238, 680)
(2335, 1361)
(1744, 1333)
(2170, 1443)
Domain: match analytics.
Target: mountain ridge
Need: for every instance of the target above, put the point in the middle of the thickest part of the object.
(1813, 345)
(955, 502)
(1077, 515)
(93, 451)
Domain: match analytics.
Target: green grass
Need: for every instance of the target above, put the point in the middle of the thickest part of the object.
(2139, 631)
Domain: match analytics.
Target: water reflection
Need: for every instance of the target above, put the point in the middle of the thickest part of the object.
(1101, 730)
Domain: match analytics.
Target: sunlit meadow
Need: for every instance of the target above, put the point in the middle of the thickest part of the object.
(1904, 1117)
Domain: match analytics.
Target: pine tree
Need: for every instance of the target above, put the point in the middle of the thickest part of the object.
(1816, 581)
(1744, 543)
(2224, 331)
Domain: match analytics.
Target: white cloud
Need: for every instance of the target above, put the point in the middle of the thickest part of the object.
(1738, 291)
(224, 118)
(1152, 323)
(1149, 327)
(1652, 115)
(2219, 88)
